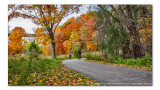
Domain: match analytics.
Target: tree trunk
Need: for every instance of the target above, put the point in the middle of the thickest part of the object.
(134, 35)
(53, 51)
(116, 46)
(53, 43)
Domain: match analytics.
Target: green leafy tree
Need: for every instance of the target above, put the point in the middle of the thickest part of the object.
(32, 45)
(124, 17)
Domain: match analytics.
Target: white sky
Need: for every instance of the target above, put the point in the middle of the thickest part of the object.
(28, 25)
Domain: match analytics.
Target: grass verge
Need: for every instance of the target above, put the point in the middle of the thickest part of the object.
(149, 68)
(44, 72)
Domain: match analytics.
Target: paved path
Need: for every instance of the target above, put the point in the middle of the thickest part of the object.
(111, 75)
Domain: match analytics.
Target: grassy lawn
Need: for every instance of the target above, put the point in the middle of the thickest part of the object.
(22, 71)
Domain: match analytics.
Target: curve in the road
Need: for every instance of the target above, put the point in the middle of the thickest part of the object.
(111, 75)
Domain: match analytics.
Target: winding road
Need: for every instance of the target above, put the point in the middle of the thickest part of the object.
(111, 75)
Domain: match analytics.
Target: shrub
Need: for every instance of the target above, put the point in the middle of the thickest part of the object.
(31, 45)
(139, 61)
(112, 59)
(22, 59)
(146, 61)
(75, 52)
(96, 57)
(119, 61)
(76, 48)
(16, 66)
(89, 56)
(131, 61)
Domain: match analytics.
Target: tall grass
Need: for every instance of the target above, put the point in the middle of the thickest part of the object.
(90, 56)
(23, 67)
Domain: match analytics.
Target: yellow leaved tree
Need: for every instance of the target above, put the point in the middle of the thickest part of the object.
(48, 16)
(16, 44)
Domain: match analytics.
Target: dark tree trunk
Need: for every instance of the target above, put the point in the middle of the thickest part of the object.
(53, 44)
(116, 46)
(53, 50)
(134, 35)
(130, 25)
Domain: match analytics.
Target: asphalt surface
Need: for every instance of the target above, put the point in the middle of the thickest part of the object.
(111, 75)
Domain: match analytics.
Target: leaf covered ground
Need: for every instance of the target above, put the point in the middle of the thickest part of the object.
(44, 73)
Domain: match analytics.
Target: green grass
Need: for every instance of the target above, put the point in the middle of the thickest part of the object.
(22, 71)
(64, 57)
(140, 63)
(146, 61)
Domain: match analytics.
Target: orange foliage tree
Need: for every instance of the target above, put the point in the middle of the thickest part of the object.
(48, 16)
(59, 39)
(43, 39)
(16, 44)
(67, 46)
(80, 30)
(88, 29)
(46, 49)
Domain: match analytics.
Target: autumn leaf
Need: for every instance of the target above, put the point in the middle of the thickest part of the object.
(16, 43)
